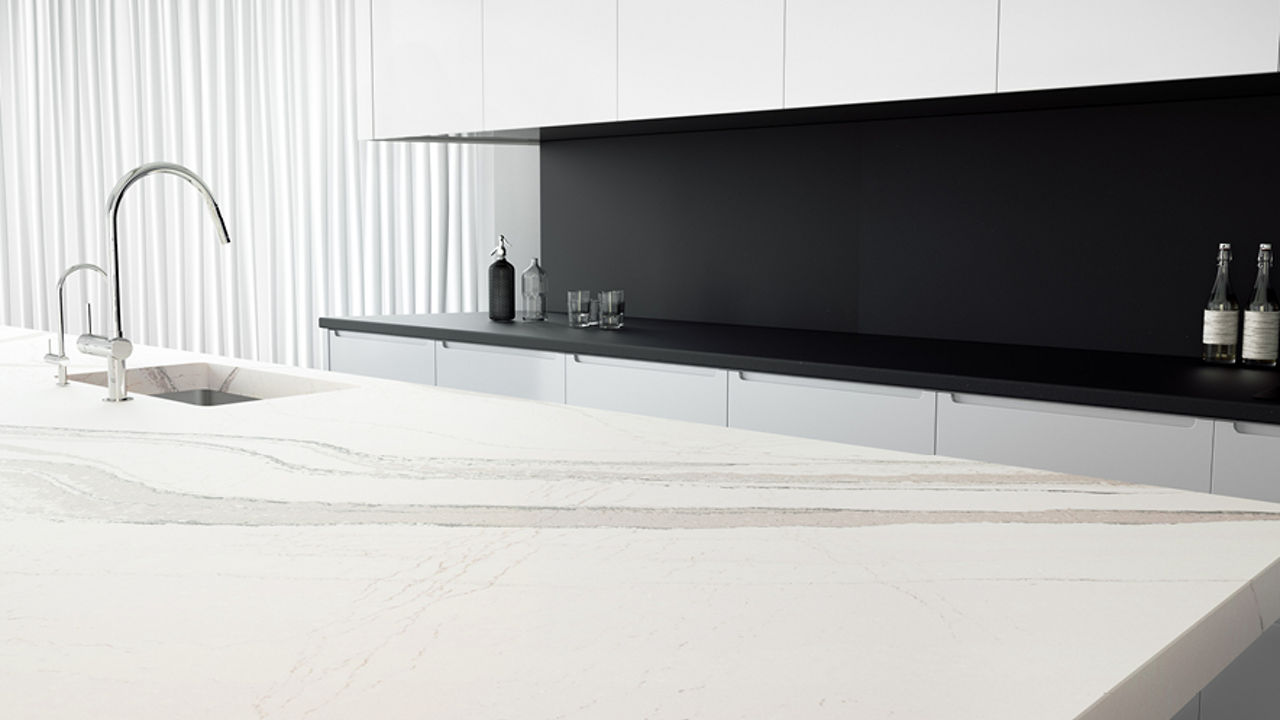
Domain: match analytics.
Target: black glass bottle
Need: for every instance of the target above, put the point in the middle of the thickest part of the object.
(502, 285)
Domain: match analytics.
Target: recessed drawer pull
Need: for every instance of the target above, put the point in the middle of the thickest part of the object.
(1088, 411)
(644, 365)
(824, 384)
(379, 337)
(1258, 429)
(499, 350)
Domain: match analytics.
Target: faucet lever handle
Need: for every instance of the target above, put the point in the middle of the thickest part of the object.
(88, 318)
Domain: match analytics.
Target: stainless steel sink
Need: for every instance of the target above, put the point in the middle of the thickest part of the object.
(204, 396)
(207, 384)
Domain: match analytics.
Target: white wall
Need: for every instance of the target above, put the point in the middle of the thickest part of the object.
(513, 210)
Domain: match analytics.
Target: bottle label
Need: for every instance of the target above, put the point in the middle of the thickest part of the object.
(1261, 331)
(1220, 327)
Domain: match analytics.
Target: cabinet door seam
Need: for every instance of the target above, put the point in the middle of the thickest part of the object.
(617, 62)
(1213, 448)
(784, 54)
(726, 399)
(999, 10)
(935, 422)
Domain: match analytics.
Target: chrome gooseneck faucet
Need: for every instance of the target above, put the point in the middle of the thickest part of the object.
(88, 337)
(118, 348)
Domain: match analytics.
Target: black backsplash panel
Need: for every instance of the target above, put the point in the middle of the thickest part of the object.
(1083, 227)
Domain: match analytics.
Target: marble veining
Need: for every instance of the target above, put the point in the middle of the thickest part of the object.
(80, 487)
(388, 550)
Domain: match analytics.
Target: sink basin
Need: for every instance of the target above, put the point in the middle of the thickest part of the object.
(204, 396)
(207, 384)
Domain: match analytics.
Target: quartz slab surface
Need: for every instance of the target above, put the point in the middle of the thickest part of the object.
(1155, 383)
(393, 550)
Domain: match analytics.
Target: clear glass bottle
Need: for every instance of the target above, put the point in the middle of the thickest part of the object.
(1220, 333)
(533, 286)
(1262, 317)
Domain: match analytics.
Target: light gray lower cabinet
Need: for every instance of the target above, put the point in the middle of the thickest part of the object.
(1127, 445)
(384, 356)
(1246, 461)
(1230, 458)
(531, 374)
(667, 390)
(882, 416)
(1250, 686)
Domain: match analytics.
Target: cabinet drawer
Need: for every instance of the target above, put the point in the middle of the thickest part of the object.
(531, 374)
(383, 356)
(873, 415)
(1246, 460)
(1128, 445)
(679, 392)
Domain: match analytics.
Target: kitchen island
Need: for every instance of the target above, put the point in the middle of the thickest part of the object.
(380, 549)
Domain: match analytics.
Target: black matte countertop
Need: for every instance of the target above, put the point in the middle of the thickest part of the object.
(1184, 386)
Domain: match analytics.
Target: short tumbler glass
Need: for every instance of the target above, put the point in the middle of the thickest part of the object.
(579, 308)
(612, 306)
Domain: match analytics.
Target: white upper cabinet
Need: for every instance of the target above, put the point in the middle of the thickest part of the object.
(1054, 43)
(433, 67)
(869, 50)
(697, 57)
(362, 26)
(550, 62)
(427, 64)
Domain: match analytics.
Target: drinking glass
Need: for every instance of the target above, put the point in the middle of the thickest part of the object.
(612, 306)
(579, 308)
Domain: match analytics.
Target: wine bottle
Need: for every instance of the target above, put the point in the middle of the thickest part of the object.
(1262, 317)
(1220, 334)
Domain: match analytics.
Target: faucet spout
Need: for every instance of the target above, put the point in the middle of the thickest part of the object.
(113, 218)
(118, 348)
(61, 358)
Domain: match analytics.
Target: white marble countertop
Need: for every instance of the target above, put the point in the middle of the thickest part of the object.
(389, 550)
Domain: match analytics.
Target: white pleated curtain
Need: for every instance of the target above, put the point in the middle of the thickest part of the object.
(258, 98)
